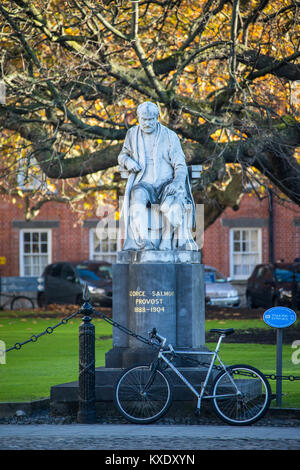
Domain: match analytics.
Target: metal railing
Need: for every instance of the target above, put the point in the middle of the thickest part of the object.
(86, 380)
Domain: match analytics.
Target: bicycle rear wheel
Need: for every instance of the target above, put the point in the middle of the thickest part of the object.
(245, 396)
(142, 395)
(22, 302)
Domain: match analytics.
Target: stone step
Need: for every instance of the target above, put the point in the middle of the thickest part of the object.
(64, 397)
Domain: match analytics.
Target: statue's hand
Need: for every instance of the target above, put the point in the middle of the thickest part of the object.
(172, 188)
(133, 166)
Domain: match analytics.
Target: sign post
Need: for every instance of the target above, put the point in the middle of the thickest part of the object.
(278, 366)
(279, 318)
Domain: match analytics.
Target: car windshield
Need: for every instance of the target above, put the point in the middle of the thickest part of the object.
(105, 271)
(97, 273)
(286, 274)
(212, 275)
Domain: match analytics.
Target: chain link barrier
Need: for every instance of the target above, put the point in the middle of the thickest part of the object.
(48, 330)
(87, 309)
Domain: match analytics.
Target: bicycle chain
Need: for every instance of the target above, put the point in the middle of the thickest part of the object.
(88, 309)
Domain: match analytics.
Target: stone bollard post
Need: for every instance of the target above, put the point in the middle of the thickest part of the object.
(86, 382)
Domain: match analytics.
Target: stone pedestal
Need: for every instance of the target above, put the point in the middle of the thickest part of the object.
(156, 289)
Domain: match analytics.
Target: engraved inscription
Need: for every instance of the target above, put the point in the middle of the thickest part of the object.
(156, 301)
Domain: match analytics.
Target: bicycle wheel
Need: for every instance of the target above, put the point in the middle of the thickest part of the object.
(143, 396)
(22, 303)
(250, 395)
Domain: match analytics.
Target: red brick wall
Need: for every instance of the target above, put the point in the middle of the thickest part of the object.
(287, 235)
(69, 242)
(9, 238)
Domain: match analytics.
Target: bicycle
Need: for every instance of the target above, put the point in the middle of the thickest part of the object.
(240, 394)
(17, 302)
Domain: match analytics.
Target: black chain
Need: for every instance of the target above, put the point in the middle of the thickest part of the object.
(88, 309)
(85, 309)
(125, 330)
(181, 356)
(268, 376)
(282, 377)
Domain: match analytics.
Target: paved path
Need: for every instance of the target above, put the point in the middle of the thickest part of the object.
(139, 437)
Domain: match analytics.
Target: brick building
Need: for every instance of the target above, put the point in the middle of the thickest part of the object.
(259, 232)
(234, 244)
(54, 235)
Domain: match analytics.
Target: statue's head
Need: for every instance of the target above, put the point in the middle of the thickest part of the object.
(148, 115)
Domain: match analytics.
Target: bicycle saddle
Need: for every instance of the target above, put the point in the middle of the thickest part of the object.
(222, 331)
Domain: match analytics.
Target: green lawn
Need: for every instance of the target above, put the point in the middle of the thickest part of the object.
(261, 356)
(30, 372)
(235, 323)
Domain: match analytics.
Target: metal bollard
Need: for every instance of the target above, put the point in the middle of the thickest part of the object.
(86, 381)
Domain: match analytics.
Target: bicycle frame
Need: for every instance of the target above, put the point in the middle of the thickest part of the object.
(215, 356)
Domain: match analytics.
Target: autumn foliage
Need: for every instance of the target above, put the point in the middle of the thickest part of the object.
(224, 73)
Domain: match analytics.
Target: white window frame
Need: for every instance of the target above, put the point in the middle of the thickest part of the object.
(35, 181)
(231, 246)
(21, 247)
(105, 254)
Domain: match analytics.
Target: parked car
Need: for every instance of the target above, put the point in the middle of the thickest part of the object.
(63, 283)
(219, 290)
(274, 284)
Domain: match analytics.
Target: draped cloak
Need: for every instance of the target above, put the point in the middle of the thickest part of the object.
(166, 147)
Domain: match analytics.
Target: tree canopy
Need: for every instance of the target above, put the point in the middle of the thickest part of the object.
(224, 73)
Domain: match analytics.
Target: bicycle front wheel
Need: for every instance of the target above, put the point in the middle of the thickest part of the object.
(22, 302)
(142, 395)
(242, 395)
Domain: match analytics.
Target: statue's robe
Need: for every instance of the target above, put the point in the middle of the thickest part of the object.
(166, 153)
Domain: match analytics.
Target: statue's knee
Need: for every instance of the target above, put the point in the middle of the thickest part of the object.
(138, 196)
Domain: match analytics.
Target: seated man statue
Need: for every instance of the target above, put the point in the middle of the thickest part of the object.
(158, 180)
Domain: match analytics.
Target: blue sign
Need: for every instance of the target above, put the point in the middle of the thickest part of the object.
(279, 317)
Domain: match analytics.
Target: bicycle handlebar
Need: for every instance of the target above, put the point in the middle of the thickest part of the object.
(160, 339)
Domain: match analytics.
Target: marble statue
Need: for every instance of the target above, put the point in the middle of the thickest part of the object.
(158, 208)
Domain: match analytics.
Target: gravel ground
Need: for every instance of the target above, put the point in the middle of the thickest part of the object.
(156, 444)
(45, 417)
(126, 437)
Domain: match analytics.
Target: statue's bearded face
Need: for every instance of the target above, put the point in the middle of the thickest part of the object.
(147, 121)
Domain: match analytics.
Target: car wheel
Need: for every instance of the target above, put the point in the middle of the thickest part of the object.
(41, 300)
(250, 303)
